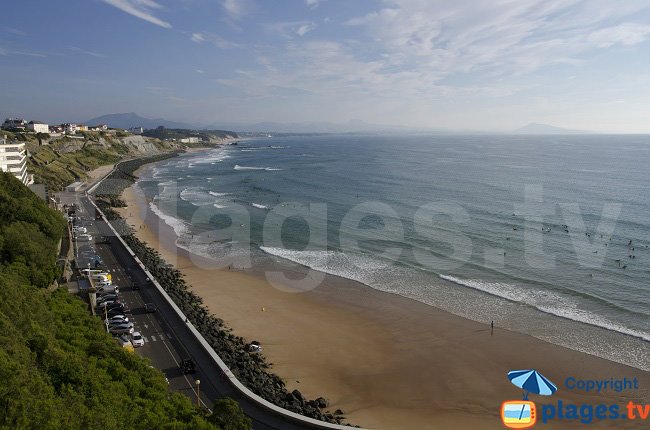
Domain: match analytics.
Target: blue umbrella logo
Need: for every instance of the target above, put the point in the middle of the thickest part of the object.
(531, 381)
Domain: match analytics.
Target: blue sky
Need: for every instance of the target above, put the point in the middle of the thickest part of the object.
(457, 64)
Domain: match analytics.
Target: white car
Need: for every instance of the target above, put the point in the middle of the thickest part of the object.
(117, 319)
(137, 339)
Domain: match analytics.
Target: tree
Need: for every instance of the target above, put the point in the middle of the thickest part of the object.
(227, 415)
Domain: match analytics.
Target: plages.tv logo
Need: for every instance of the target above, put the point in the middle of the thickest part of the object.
(522, 414)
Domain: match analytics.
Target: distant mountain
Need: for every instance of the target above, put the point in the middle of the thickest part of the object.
(128, 120)
(534, 128)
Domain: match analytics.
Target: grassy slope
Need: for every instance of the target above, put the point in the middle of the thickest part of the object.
(58, 367)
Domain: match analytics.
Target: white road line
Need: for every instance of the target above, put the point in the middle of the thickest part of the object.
(145, 325)
(153, 338)
(145, 339)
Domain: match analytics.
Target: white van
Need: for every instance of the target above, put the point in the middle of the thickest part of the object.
(92, 271)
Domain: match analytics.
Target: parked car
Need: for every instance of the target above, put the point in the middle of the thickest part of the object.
(124, 343)
(121, 324)
(107, 303)
(136, 339)
(149, 307)
(111, 289)
(116, 311)
(116, 319)
(120, 330)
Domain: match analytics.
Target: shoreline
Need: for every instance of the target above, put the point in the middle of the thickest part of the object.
(387, 361)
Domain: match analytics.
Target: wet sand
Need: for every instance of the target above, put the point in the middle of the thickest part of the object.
(387, 361)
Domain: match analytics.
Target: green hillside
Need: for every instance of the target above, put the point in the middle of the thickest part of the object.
(58, 367)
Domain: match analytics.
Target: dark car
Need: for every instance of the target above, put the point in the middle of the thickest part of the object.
(149, 307)
(187, 365)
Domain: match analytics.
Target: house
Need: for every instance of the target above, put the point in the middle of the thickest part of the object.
(69, 128)
(38, 127)
(99, 127)
(13, 159)
(136, 130)
(81, 127)
(56, 129)
(191, 140)
(14, 123)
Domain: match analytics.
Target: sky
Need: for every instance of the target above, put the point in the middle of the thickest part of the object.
(492, 65)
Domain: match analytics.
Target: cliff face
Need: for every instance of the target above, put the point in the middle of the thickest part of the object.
(59, 162)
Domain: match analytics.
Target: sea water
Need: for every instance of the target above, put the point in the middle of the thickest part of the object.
(545, 235)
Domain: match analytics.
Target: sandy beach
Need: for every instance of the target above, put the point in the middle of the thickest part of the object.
(387, 361)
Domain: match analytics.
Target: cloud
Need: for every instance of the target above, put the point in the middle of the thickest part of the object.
(625, 34)
(312, 3)
(447, 37)
(141, 9)
(83, 51)
(305, 28)
(15, 31)
(236, 9)
(213, 39)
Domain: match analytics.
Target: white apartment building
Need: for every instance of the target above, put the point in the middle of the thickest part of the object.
(14, 160)
(38, 127)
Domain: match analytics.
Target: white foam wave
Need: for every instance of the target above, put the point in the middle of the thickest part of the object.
(257, 205)
(218, 206)
(197, 196)
(216, 194)
(179, 226)
(238, 167)
(546, 302)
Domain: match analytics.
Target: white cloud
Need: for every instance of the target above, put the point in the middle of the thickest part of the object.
(237, 8)
(85, 52)
(141, 9)
(625, 34)
(312, 3)
(305, 28)
(503, 37)
(213, 39)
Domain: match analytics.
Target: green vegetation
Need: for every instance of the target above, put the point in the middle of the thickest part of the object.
(58, 367)
(163, 133)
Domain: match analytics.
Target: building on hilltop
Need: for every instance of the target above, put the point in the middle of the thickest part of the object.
(14, 123)
(136, 130)
(99, 127)
(191, 140)
(38, 127)
(69, 128)
(13, 159)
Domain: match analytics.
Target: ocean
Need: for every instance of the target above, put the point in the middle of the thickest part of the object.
(544, 235)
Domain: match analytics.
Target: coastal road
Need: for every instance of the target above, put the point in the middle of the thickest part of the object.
(167, 337)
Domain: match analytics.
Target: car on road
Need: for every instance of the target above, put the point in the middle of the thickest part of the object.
(121, 329)
(137, 339)
(149, 307)
(187, 366)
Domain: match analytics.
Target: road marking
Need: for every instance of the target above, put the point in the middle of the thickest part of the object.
(153, 338)
(145, 325)
(145, 339)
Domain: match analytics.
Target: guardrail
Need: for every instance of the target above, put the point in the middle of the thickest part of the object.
(222, 365)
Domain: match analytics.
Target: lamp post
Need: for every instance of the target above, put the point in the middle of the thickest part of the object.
(198, 398)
